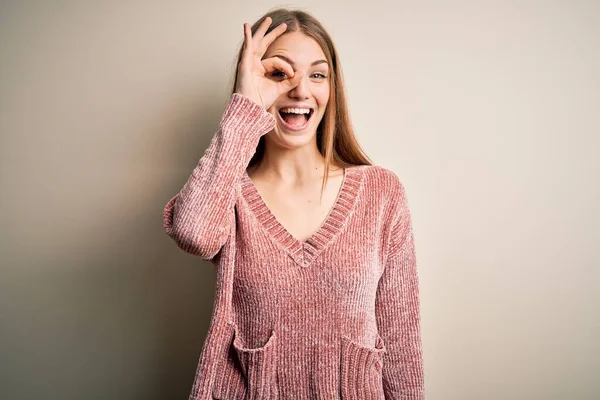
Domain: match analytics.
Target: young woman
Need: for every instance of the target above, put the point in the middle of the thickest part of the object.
(317, 289)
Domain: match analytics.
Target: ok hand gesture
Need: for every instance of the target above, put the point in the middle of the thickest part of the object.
(253, 80)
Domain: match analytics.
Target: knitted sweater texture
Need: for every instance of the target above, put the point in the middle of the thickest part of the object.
(335, 316)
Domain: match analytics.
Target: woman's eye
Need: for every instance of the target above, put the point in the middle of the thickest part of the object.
(278, 74)
(281, 74)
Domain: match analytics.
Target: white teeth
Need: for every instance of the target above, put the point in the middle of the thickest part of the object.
(296, 110)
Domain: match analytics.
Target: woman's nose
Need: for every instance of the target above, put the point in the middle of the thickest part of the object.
(302, 90)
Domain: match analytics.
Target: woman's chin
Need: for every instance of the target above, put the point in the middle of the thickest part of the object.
(292, 134)
(293, 139)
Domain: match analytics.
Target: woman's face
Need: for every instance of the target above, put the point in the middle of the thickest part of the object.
(304, 54)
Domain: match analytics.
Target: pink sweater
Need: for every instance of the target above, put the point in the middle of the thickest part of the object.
(333, 317)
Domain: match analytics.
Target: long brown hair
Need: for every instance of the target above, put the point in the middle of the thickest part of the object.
(335, 135)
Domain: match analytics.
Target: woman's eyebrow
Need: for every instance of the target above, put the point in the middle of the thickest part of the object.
(292, 63)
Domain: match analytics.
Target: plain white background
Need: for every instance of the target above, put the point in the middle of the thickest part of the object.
(487, 110)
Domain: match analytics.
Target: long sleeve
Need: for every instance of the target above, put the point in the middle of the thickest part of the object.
(200, 216)
(397, 308)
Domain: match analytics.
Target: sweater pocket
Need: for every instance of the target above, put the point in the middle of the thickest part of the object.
(361, 370)
(247, 373)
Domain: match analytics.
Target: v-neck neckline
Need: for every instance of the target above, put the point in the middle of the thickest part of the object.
(304, 252)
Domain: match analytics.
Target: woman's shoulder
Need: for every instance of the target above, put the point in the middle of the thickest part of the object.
(382, 180)
(386, 191)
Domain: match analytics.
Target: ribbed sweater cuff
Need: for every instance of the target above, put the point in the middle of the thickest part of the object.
(255, 119)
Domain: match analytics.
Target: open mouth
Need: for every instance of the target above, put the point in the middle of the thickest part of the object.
(296, 120)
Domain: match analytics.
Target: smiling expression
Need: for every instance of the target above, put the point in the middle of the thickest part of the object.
(311, 95)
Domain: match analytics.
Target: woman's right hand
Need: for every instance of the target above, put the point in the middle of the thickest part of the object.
(253, 80)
